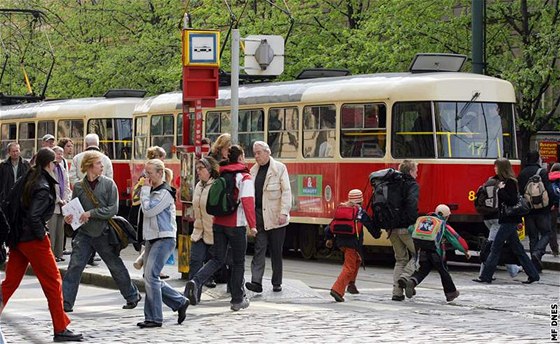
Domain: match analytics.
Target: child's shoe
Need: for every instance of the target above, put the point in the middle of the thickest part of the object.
(337, 296)
(352, 288)
(452, 296)
(409, 288)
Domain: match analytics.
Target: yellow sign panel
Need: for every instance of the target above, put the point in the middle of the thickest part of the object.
(201, 48)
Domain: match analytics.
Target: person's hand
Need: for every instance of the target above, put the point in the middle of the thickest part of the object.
(468, 255)
(282, 219)
(147, 182)
(84, 218)
(68, 219)
(252, 232)
(501, 185)
(329, 243)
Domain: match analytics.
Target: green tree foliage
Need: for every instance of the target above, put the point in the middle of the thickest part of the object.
(102, 44)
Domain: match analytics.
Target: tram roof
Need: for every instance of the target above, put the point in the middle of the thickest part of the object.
(387, 86)
(90, 107)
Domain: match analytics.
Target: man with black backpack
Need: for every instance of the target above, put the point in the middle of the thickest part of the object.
(537, 190)
(395, 207)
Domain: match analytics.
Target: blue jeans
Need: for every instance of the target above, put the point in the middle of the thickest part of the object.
(507, 232)
(538, 230)
(493, 227)
(199, 254)
(82, 247)
(237, 239)
(157, 291)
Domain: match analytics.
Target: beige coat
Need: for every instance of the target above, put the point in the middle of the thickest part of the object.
(277, 194)
(202, 220)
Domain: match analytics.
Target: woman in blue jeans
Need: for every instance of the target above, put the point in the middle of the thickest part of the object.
(507, 196)
(159, 227)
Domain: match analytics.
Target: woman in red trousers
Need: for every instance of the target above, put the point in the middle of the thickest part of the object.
(32, 244)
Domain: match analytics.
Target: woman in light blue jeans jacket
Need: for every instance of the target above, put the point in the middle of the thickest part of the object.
(159, 227)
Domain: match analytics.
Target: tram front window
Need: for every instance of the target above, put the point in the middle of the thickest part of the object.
(474, 130)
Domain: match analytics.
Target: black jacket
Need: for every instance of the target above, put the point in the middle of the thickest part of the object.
(7, 175)
(508, 195)
(41, 209)
(523, 179)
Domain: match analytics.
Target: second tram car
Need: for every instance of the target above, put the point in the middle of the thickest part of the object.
(333, 132)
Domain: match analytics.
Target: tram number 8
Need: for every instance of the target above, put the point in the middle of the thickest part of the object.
(472, 195)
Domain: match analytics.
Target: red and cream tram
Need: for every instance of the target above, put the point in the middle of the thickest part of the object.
(333, 132)
(110, 117)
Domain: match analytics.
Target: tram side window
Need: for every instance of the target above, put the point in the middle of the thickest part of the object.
(123, 138)
(27, 139)
(180, 132)
(319, 131)
(140, 137)
(412, 132)
(44, 128)
(251, 129)
(363, 130)
(472, 130)
(73, 129)
(283, 132)
(161, 131)
(9, 134)
(217, 122)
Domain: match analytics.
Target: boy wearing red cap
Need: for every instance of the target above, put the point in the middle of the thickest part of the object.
(351, 246)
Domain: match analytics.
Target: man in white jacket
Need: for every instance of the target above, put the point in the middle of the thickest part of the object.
(273, 201)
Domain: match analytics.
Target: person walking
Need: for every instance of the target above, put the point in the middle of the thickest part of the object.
(63, 194)
(508, 195)
(400, 238)
(273, 201)
(202, 237)
(431, 254)
(230, 229)
(12, 168)
(33, 246)
(99, 198)
(537, 222)
(160, 228)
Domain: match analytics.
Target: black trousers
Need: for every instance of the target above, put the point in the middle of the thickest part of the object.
(431, 259)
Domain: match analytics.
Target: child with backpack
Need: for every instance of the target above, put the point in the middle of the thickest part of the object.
(428, 235)
(346, 230)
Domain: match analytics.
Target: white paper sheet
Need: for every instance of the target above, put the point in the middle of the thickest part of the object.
(74, 208)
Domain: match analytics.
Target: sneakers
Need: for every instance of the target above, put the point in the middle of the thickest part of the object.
(182, 312)
(409, 288)
(452, 296)
(132, 304)
(67, 336)
(337, 296)
(241, 305)
(210, 283)
(352, 289)
(254, 287)
(531, 280)
(398, 298)
(191, 292)
(276, 288)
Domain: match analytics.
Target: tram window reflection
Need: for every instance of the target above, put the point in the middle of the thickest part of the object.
(73, 129)
(104, 129)
(43, 128)
(26, 139)
(161, 131)
(282, 132)
(412, 135)
(363, 130)
(140, 137)
(217, 123)
(251, 129)
(8, 134)
(318, 131)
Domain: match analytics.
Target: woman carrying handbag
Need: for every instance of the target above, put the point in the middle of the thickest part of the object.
(509, 217)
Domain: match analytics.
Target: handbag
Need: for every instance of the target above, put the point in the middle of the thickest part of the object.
(519, 209)
(124, 231)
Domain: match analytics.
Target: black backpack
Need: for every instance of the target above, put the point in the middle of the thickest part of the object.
(387, 199)
(13, 211)
(486, 198)
(221, 196)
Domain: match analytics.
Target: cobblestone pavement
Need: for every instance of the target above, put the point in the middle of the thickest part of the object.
(506, 311)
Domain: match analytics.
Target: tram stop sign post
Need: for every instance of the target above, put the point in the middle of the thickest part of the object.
(264, 55)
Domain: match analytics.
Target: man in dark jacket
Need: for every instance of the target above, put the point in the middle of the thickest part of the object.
(11, 169)
(537, 222)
